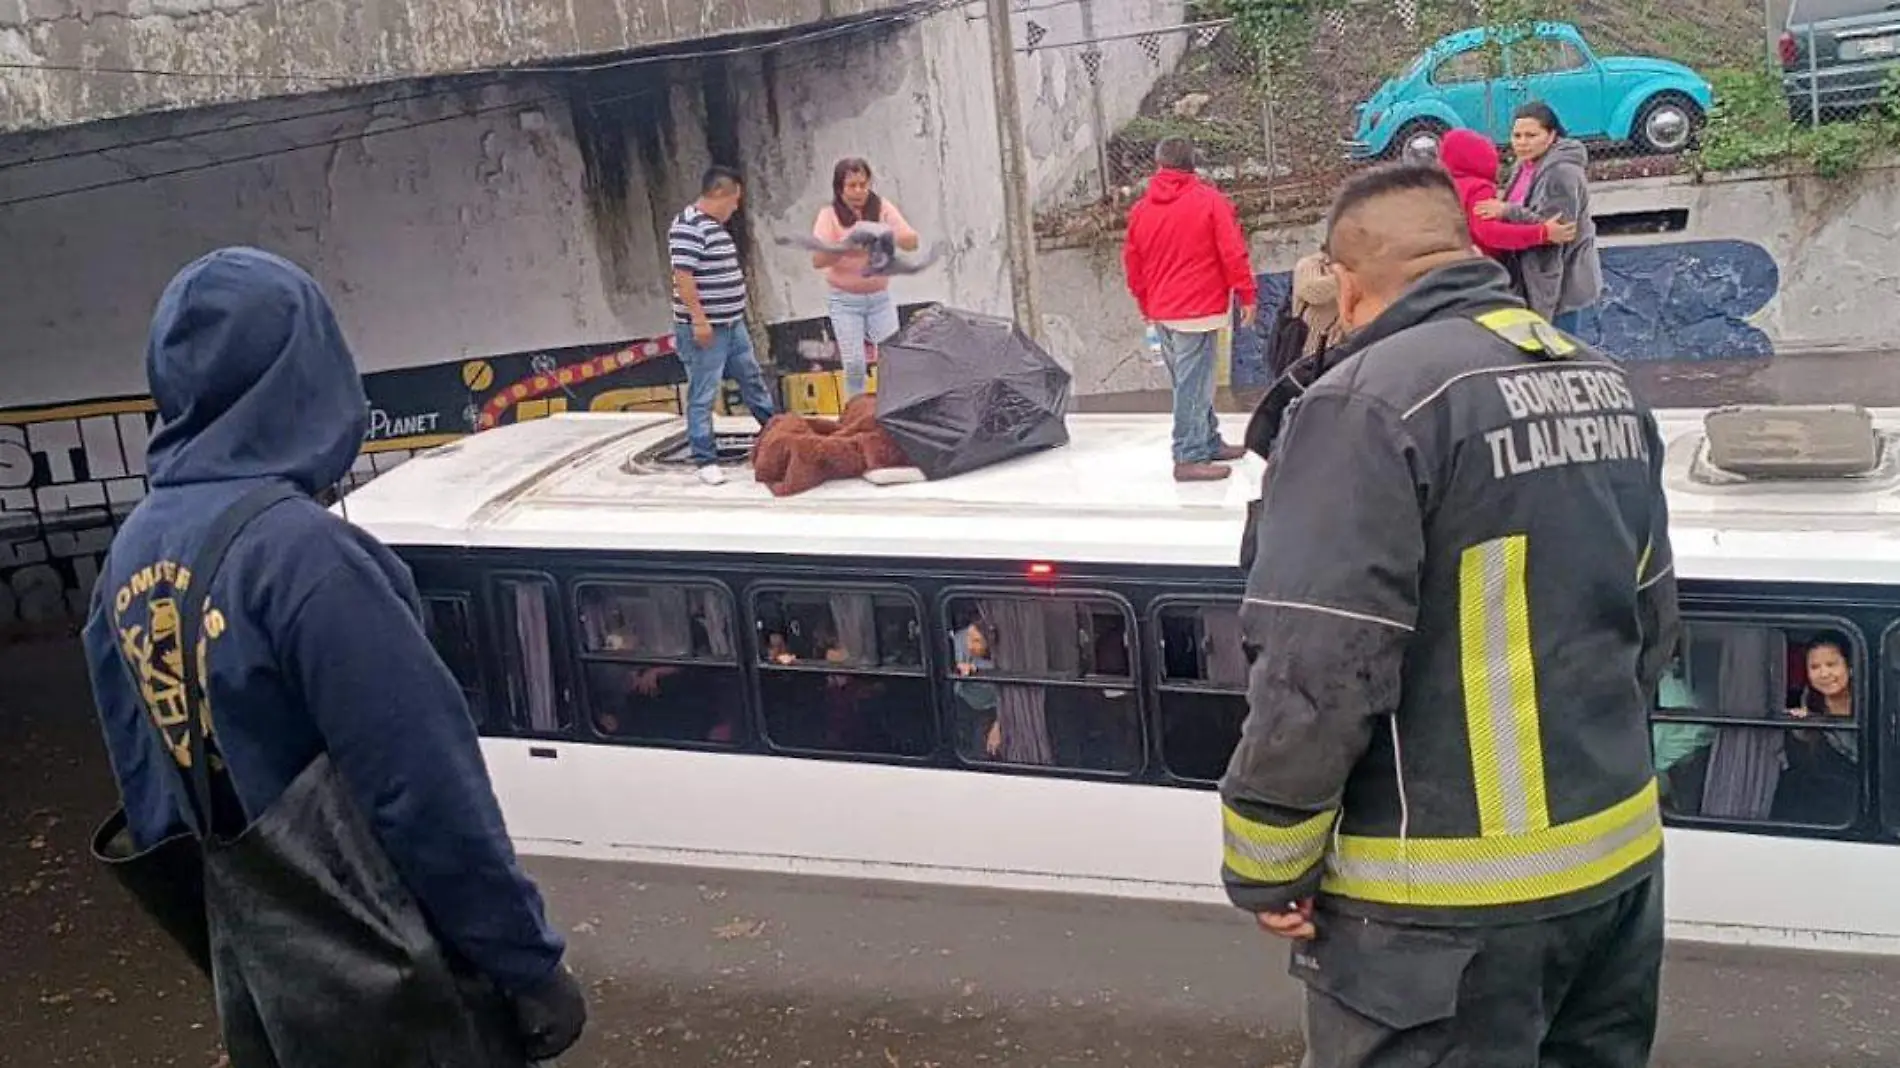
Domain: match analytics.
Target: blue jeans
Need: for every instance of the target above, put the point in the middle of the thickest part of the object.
(1568, 321)
(729, 356)
(1190, 360)
(856, 317)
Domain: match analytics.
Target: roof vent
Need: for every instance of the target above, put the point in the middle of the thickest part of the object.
(675, 451)
(1767, 441)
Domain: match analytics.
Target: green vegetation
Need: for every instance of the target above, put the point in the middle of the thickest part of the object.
(1214, 137)
(1283, 30)
(1706, 34)
(1751, 126)
(1277, 29)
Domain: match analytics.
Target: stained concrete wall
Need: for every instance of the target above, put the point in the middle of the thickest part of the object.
(463, 237)
(461, 222)
(1738, 268)
(919, 105)
(1062, 100)
(473, 240)
(202, 52)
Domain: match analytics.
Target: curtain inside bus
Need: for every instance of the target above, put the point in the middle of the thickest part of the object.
(1020, 645)
(537, 664)
(1745, 762)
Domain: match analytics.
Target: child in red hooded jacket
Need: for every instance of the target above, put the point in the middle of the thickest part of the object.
(1473, 162)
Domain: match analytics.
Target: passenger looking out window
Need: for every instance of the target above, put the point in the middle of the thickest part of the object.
(777, 651)
(1061, 682)
(1822, 766)
(842, 672)
(659, 663)
(981, 698)
(1758, 723)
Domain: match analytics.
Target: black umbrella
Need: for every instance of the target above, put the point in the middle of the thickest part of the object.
(959, 391)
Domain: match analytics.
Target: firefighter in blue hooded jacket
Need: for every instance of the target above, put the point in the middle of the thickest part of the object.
(312, 645)
(1461, 597)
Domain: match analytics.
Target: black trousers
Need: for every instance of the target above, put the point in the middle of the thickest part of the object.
(1577, 991)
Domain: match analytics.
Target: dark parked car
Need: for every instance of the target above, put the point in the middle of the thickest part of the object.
(1836, 56)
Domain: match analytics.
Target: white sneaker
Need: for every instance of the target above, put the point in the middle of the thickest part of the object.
(712, 475)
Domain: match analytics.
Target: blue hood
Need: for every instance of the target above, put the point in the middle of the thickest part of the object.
(252, 376)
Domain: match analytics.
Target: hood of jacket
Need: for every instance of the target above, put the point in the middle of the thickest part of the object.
(1565, 151)
(1468, 154)
(1169, 185)
(252, 376)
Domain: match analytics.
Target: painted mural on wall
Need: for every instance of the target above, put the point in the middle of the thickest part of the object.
(1686, 300)
(69, 473)
(1678, 300)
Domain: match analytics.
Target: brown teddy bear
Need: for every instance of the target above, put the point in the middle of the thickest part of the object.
(794, 453)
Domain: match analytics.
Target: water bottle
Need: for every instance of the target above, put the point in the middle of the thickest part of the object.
(1152, 338)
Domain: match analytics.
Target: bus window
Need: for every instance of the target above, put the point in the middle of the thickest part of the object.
(1203, 688)
(841, 671)
(1044, 681)
(1761, 724)
(449, 621)
(524, 620)
(658, 662)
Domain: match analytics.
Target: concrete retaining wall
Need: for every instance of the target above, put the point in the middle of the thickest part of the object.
(1743, 267)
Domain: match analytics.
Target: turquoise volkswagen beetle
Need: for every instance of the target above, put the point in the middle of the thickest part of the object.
(1476, 78)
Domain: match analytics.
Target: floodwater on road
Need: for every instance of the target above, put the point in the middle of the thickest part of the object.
(694, 968)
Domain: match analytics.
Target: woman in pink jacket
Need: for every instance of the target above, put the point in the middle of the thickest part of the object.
(861, 308)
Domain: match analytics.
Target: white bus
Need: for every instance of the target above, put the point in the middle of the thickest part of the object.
(668, 672)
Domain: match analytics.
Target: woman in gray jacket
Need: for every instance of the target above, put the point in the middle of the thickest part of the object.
(1550, 178)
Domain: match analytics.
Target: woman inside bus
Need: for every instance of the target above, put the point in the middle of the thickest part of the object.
(1822, 780)
(978, 698)
(1011, 638)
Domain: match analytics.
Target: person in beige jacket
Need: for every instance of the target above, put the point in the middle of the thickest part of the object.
(1316, 301)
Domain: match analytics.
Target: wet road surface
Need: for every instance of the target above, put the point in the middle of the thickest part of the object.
(696, 969)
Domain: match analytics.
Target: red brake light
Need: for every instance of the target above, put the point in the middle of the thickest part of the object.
(1786, 47)
(1041, 572)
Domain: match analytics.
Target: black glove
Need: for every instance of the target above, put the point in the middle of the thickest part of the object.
(551, 1017)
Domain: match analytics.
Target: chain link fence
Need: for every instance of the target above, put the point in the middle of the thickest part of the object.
(1838, 61)
(1637, 80)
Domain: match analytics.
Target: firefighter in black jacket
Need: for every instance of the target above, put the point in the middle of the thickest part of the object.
(1460, 603)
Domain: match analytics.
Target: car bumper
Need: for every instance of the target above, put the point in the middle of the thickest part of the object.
(1840, 87)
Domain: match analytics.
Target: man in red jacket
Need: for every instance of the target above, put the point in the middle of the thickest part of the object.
(1186, 260)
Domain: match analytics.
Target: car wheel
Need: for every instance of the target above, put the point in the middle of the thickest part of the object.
(1417, 139)
(1667, 125)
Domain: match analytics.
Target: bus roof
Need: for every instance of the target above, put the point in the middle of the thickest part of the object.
(595, 481)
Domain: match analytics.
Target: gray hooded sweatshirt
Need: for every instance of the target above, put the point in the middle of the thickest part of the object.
(1561, 278)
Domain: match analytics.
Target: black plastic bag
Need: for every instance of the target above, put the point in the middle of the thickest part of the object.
(959, 391)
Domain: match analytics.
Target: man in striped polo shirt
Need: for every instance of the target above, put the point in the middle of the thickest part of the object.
(709, 298)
